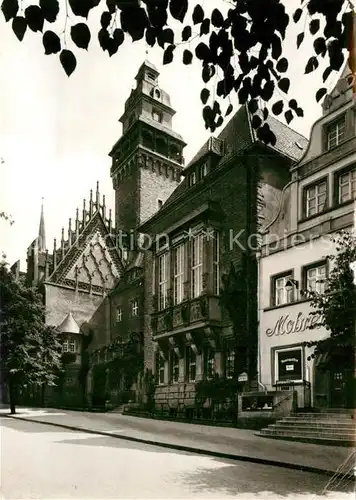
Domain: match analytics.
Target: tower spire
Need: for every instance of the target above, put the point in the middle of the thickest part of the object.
(42, 232)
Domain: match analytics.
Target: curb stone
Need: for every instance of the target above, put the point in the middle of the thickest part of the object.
(198, 451)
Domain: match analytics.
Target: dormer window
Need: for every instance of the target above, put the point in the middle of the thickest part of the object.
(157, 116)
(192, 179)
(335, 133)
(203, 170)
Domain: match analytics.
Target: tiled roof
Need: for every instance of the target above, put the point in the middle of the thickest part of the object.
(69, 325)
(238, 135)
(162, 128)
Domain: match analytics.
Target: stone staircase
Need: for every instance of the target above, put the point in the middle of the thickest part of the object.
(332, 427)
(120, 408)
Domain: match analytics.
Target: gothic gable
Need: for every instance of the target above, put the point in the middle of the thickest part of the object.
(92, 263)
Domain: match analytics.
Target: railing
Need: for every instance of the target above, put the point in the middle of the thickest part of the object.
(203, 308)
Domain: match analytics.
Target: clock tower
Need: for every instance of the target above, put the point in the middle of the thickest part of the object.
(147, 160)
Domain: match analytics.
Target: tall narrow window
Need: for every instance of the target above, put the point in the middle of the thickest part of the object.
(134, 307)
(315, 198)
(347, 186)
(178, 273)
(65, 346)
(229, 363)
(315, 278)
(159, 368)
(209, 365)
(216, 267)
(118, 315)
(192, 179)
(174, 367)
(162, 280)
(280, 294)
(191, 363)
(203, 170)
(197, 266)
(336, 133)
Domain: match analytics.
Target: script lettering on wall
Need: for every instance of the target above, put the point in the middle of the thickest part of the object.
(286, 325)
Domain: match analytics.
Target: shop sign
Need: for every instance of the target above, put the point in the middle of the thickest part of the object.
(286, 325)
(290, 365)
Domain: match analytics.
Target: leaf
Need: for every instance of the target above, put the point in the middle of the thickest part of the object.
(297, 15)
(253, 105)
(10, 9)
(198, 14)
(256, 121)
(204, 95)
(34, 17)
(319, 45)
(229, 110)
(277, 107)
(299, 112)
(168, 54)
(288, 116)
(178, 9)
(265, 113)
(168, 35)
(80, 35)
(68, 61)
(300, 39)
(326, 73)
(284, 85)
(50, 9)
(119, 37)
(19, 26)
(314, 26)
(186, 33)
(282, 65)
(111, 5)
(312, 65)
(104, 39)
(217, 18)
(105, 19)
(51, 42)
(187, 57)
(205, 27)
(202, 52)
(134, 21)
(320, 94)
(82, 7)
(293, 104)
(150, 36)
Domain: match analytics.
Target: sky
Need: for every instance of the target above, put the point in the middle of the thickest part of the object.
(56, 132)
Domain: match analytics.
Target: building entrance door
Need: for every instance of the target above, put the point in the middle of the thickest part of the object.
(341, 385)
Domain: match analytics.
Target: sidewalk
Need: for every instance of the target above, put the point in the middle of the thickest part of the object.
(223, 442)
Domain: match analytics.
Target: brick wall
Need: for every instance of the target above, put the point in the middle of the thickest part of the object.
(127, 202)
(153, 186)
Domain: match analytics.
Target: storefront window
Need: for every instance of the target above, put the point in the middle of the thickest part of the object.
(289, 365)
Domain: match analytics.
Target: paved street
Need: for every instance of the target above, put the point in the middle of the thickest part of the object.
(41, 461)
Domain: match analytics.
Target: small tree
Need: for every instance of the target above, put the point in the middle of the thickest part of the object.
(30, 352)
(337, 305)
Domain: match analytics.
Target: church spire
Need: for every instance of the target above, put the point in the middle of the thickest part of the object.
(42, 232)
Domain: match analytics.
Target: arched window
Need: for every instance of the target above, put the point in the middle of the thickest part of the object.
(147, 139)
(162, 146)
